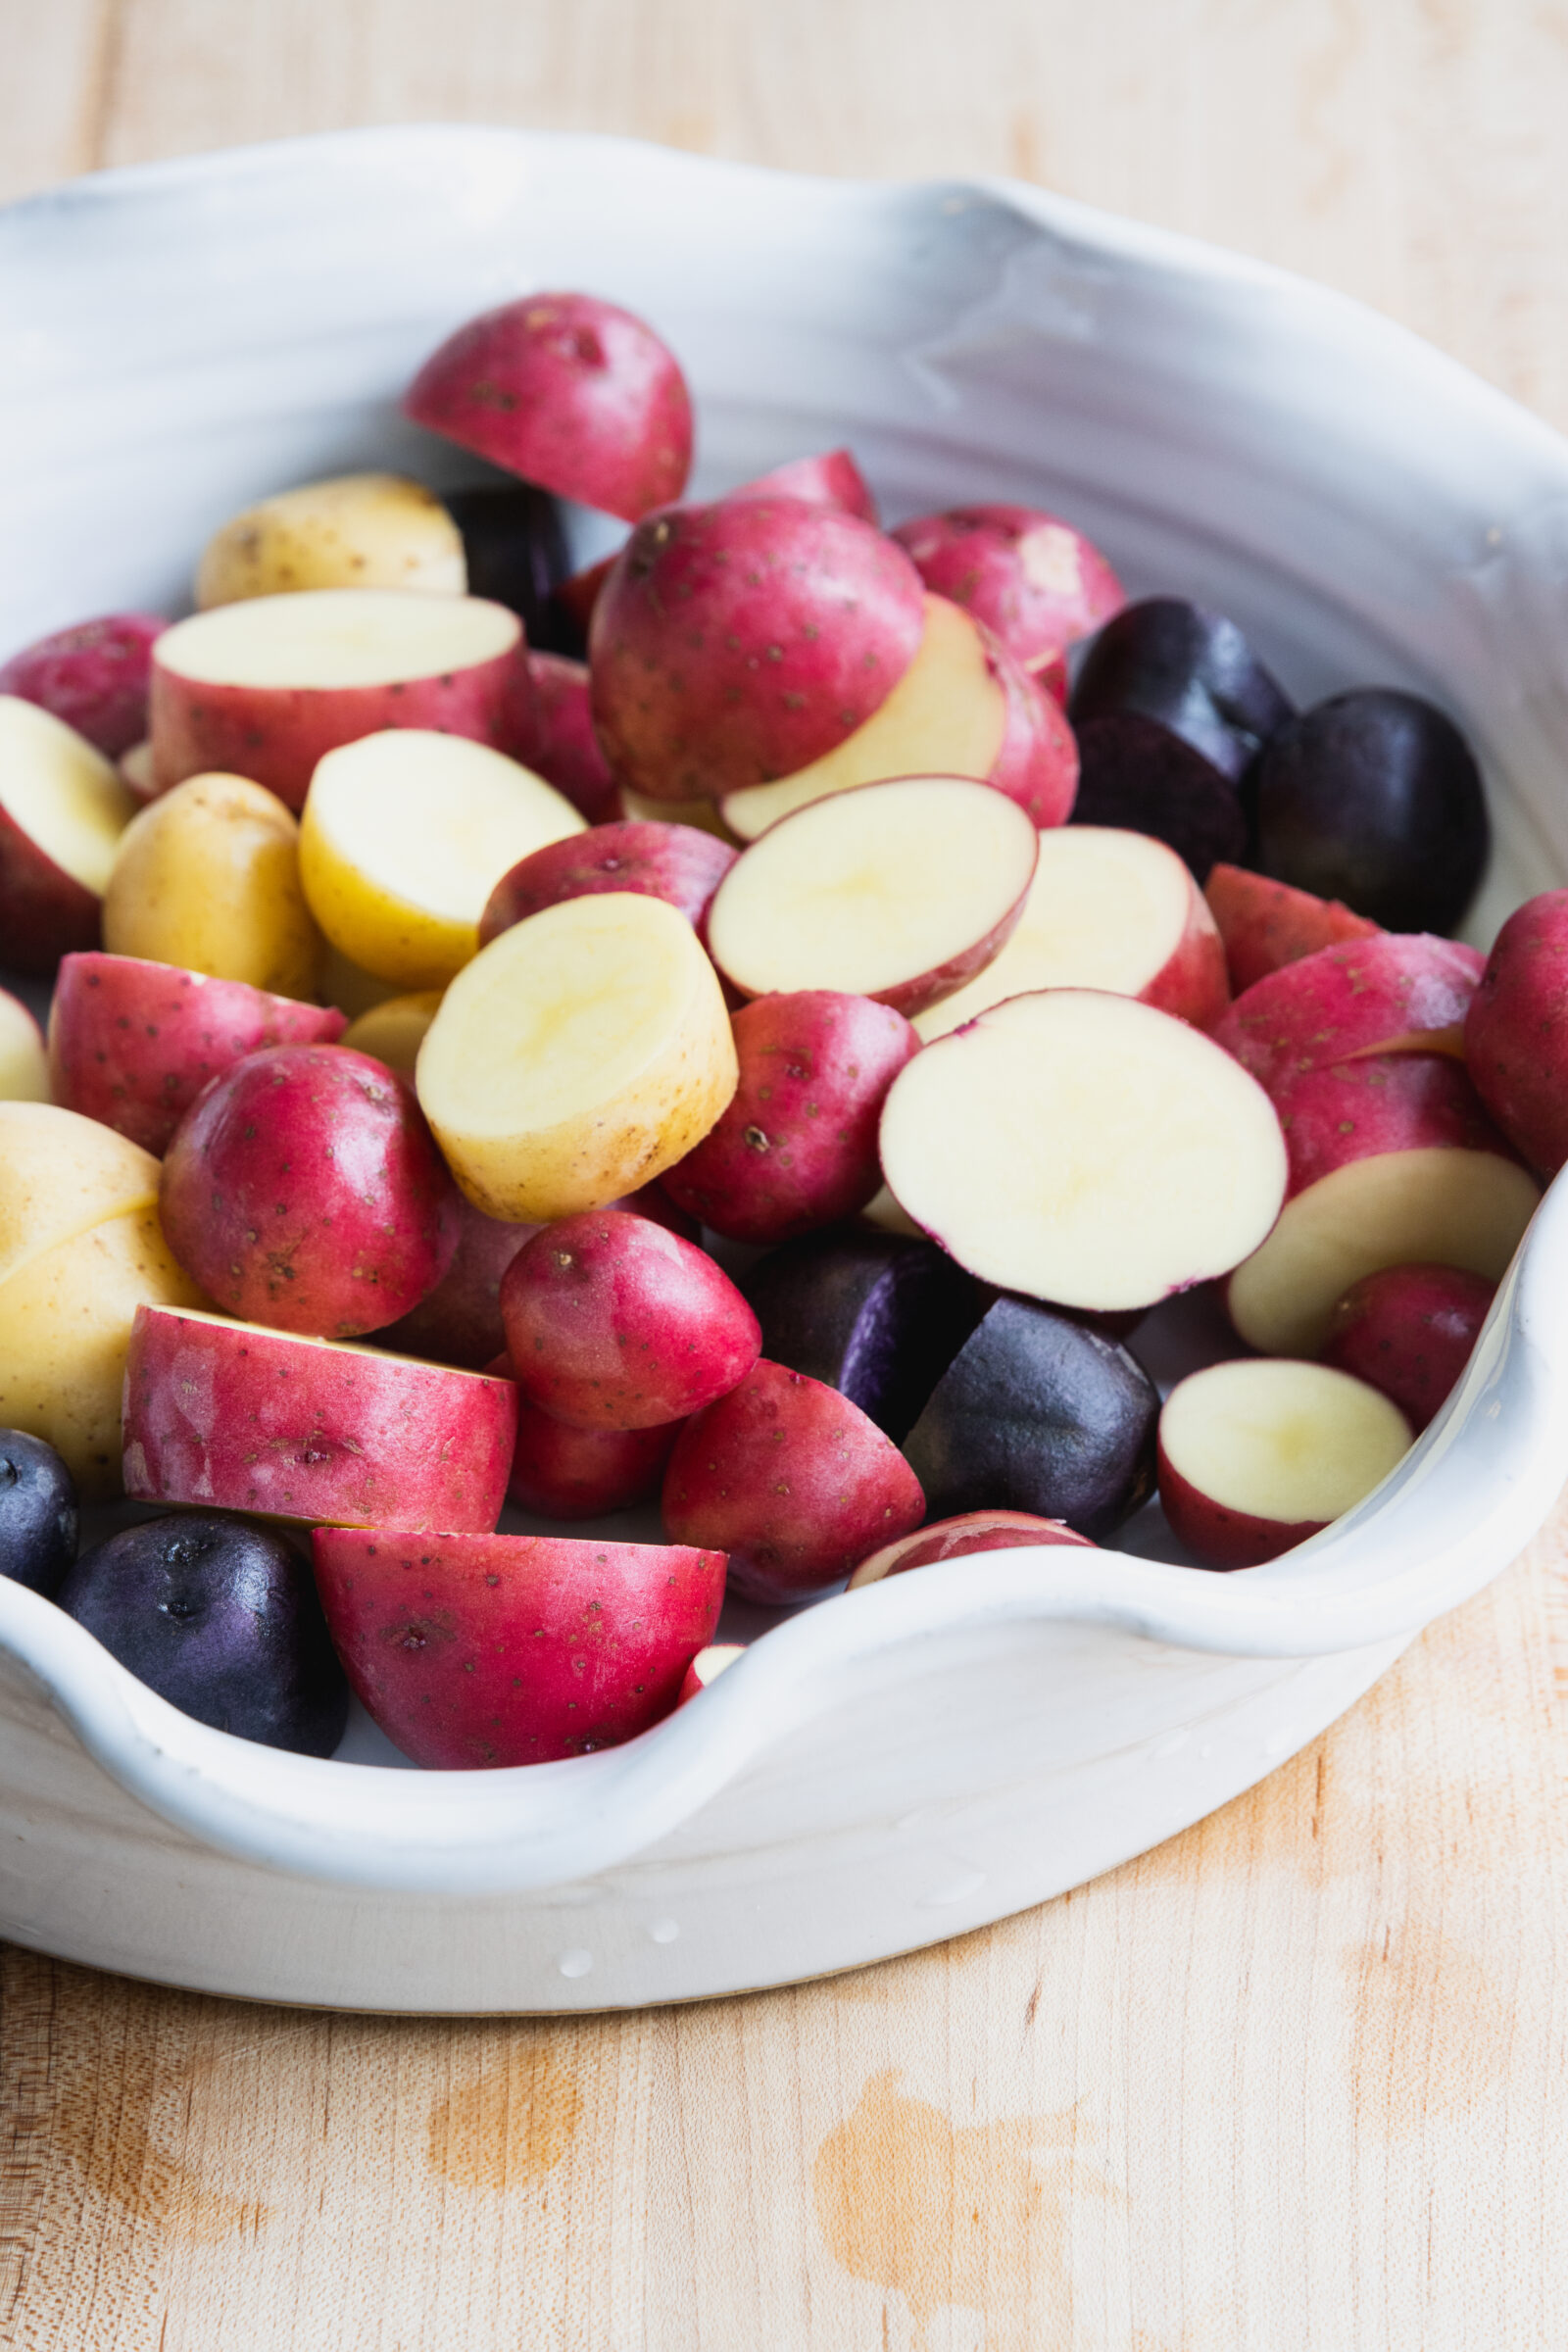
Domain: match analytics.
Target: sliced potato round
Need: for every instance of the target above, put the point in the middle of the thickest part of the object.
(64, 796)
(357, 530)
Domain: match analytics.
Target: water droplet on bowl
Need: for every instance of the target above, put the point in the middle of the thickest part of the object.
(663, 1931)
(575, 1963)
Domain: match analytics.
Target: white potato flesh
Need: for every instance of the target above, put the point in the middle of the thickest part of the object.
(579, 1055)
(1281, 1440)
(1106, 909)
(872, 890)
(1084, 1150)
(326, 637)
(1431, 1206)
(946, 716)
(61, 791)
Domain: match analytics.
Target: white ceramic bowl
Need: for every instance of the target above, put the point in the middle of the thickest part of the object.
(896, 1766)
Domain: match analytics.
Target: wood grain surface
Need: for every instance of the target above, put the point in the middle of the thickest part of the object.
(1292, 2084)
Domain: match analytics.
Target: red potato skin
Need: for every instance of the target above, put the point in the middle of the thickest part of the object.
(1224, 1539)
(613, 1322)
(1409, 1331)
(44, 912)
(1383, 1102)
(737, 642)
(1266, 925)
(1397, 992)
(236, 1418)
(132, 1043)
(553, 733)
(304, 1190)
(563, 1473)
(458, 1322)
(797, 1146)
(578, 596)
(1192, 983)
(679, 863)
(276, 734)
(956, 1539)
(479, 1651)
(831, 480)
(802, 1484)
(1033, 582)
(93, 676)
(1037, 764)
(1516, 1031)
(570, 392)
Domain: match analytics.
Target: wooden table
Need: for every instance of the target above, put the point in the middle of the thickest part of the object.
(1294, 2082)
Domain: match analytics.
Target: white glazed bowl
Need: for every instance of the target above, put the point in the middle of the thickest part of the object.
(900, 1765)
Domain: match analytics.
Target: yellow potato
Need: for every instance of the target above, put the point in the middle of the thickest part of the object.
(394, 1031)
(359, 530)
(405, 835)
(208, 876)
(64, 1327)
(60, 1174)
(578, 1055)
(23, 1064)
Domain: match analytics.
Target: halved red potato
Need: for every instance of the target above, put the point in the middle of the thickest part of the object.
(553, 733)
(237, 1417)
(1033, 580)
(577, 1056)
(1394, 993)
(681, 863)
(1266, 925)
(956, 1539)
(832, 479)
(901, 891)
(708, 1665)
(92, 675)
(1106, 909)
(62, 811)
(1084, 1149)
(1254, 1457)
(404, 837)
(23, 1064)
(266, 687)
(1514, 1033)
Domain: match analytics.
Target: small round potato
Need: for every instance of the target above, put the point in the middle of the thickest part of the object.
(208, 876)
(359, 530)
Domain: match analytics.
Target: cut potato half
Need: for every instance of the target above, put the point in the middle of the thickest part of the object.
(395, 1031)
(335, 637)
(405, 835)
(900, 891)
(577, 1056)
(947, 716)
(1254, 1457)
(1084, 1149)
(59, 793)
(1429, 1207)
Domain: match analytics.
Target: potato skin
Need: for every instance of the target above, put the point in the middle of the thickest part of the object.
(93, 676)
(303, 1189)
(831, 479)
(563, 1473)
(357, 530)
(1396, 992)
(458, 1322)
(1516, 1031)
(797, 1146)
(1383, 1102)
(1035, 581)
(207, 877)
(675, 863)
(1409, 1331)
(943, 1539)
(1266, 925)
(553, 733)
(1037, 764)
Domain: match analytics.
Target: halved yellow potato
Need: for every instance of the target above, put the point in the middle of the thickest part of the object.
(357, 530)
(208, 876)
(61, 1173)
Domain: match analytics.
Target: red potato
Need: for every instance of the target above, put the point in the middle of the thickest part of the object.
(1396, 993)
(559, 1472)
(1516, 1031)
(708, 1665)
(736, 642)
(1037, 763)
(569, 391)
(802, 1484)
(1106, 909)
(24, 1062)
(613, 1322)
(675, 863)
(831, 480)
(94, 676)
(234, 1417)
(956, 1539)
(901, 891)
(1392, 1161)
(1035, 581)
(553, 733)
(797, 1146)
(458, 1322)
(1409, 1331)
(1266, 925)
(1254, 1457)
(578, 596)
(132, 1043)
(1084, 1149)
(266, 687)
(62, 811)
(481, 1652)
(303, 1189)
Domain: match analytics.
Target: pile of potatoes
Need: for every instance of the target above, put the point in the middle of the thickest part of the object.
(452, 953)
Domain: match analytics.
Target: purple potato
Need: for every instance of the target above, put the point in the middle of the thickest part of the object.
(1374, 797)
(875, 1315)
(39, 1520)
(220, 1618)
(516, 554)
(1036, 1413)
(1170, 709)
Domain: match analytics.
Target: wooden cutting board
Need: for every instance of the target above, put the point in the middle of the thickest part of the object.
(1296, 2082)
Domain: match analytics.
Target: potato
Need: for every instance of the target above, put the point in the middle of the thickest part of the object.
(1409, 1330)
(1396, 993)
(1035, 581)
(984, 1532)
(1266, 924)
(680, 864)
(553, 733)
(1516, 1031)
(357, 530)
(62, 812)
(458, 1322)
(832, 479)
(394, 1031)
(579, 1055)
(559, 1472)
(24, 1064)
(94, 676)
(207, 877)
(61, 1173)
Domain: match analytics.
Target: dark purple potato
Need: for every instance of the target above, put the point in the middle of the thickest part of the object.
(220, 1618)
(517, 555)
(1035, 1413)
(875, 1315)
(1170, 709)
(1374, 797)
(39, 1516)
